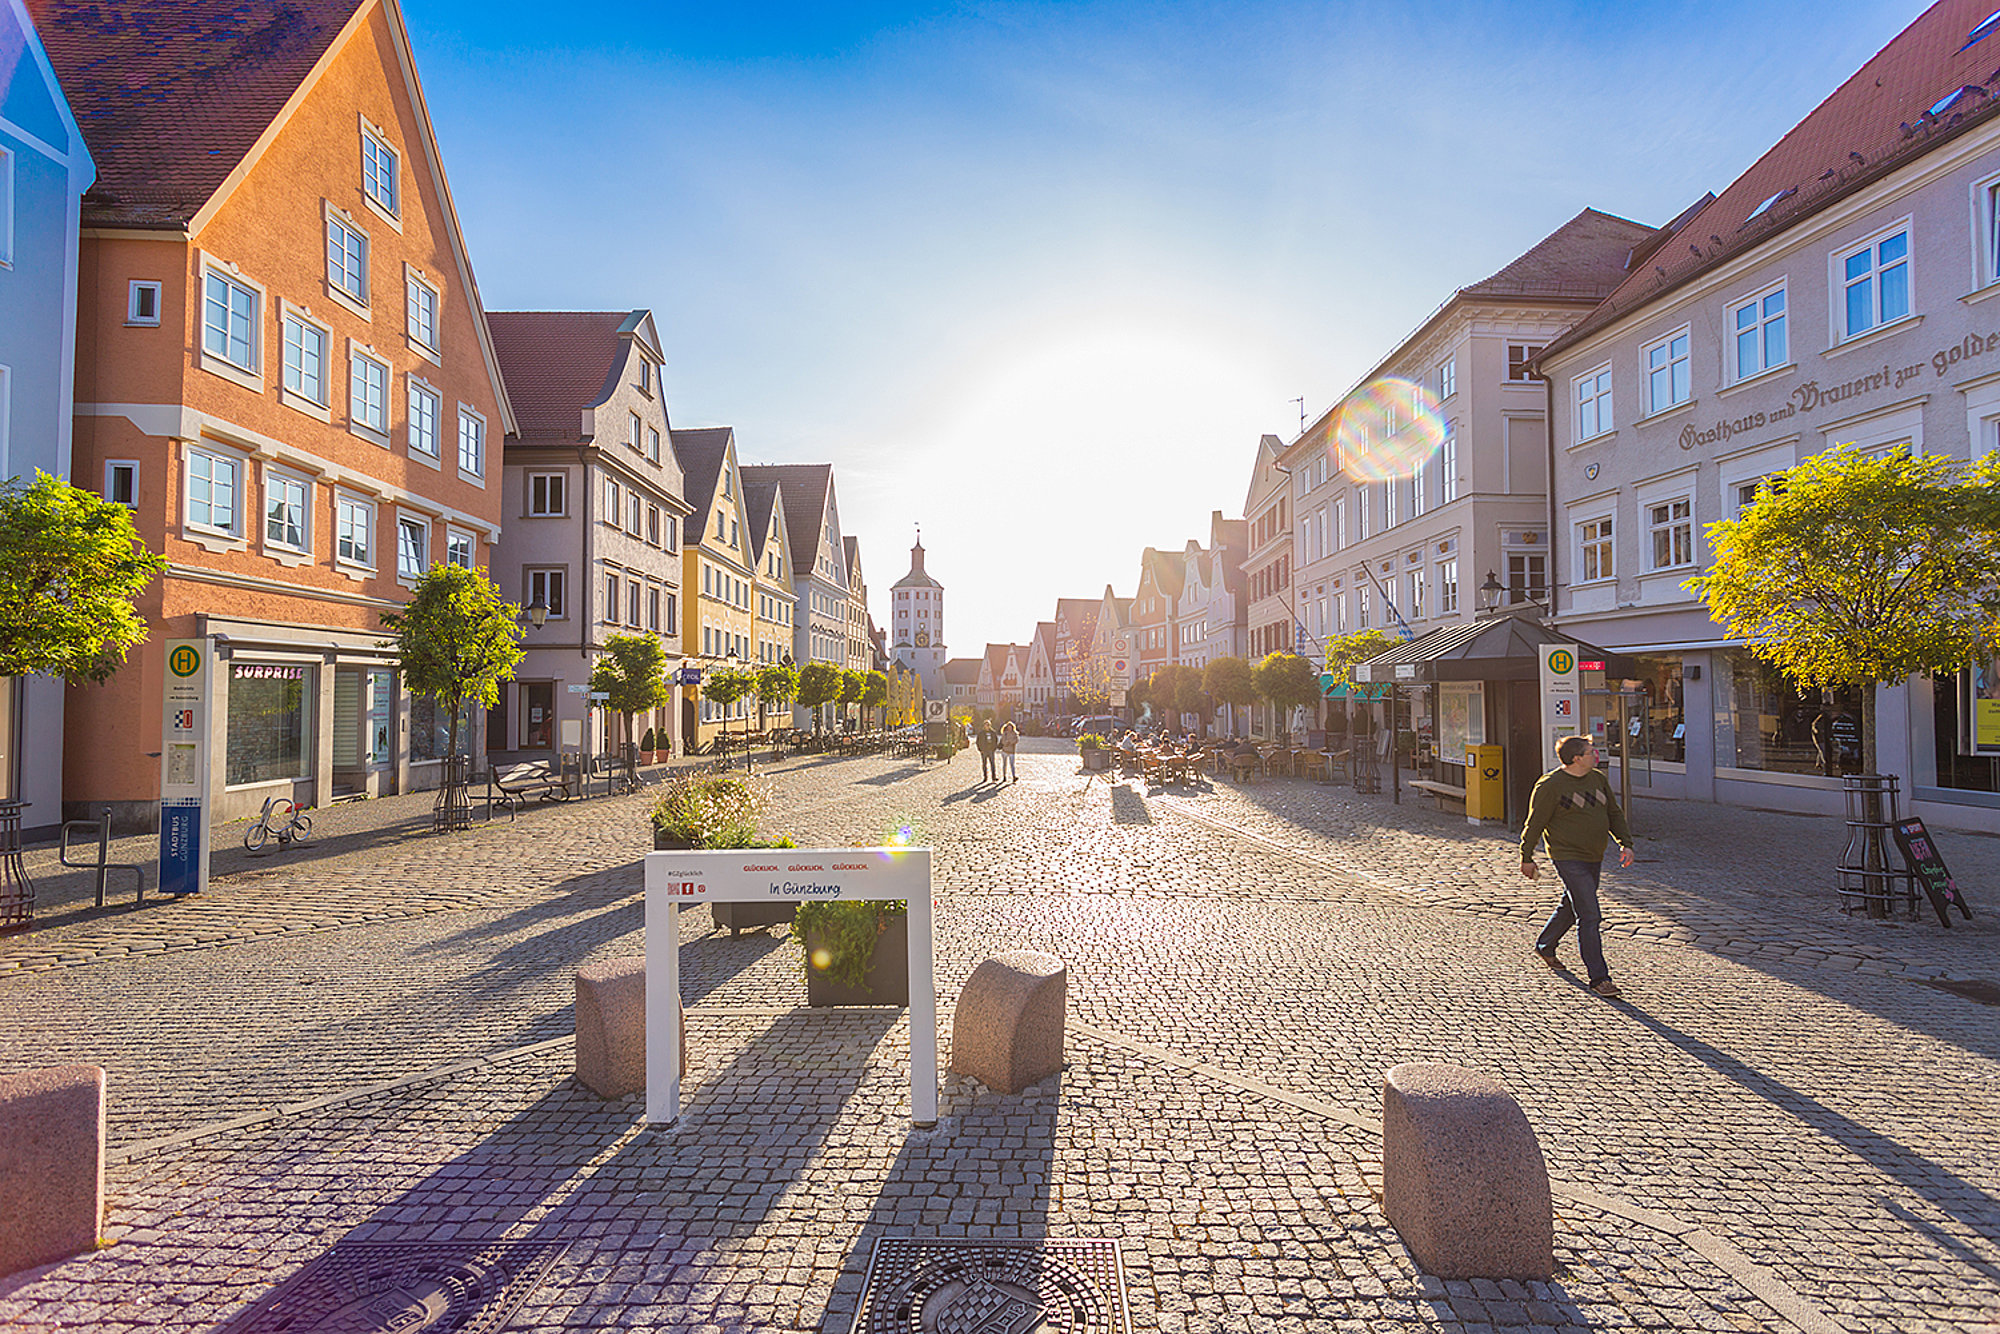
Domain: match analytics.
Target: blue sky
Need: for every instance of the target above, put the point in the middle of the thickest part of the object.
(1037, 276)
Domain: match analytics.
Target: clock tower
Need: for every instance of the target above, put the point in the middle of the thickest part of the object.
(916, 625)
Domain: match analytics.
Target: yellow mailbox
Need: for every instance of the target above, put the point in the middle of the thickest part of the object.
(1485, 783)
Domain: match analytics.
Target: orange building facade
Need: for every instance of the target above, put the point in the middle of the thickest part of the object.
(287, 374)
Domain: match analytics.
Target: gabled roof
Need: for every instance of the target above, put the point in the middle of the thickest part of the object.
(759, 497)
(1168, 569)
(808, 489)
(1930, 84)
(173, 95)
(557, 364)
(996, 658)
(1045, 635)
(851, 548)
(1082, 612)
(1584, 259)
(701, 450)
(39, 105)
(962, 671)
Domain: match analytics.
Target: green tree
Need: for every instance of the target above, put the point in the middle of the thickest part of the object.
(1343, 651)
(633, 672)
(875, 692)
(819, 684)
(724, 686)
(1287, 681)
(777, 685)
(1227, 680)
(1191, 696)
(1851, 569)
(456, 640)
(70, 565)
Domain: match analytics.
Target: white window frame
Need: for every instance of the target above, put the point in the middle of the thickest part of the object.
(275, 478)
(345, 502)
(653, 443)
(1418, 593)
(472, 417)
(112, 467)
(1603, 420)
(7, 207)
(391, 208)
(339, 220)
(457, 539)
(1447, 378)
(133, 316)
(614, 502)
(552, 577)
(1838, 276)
(1654, 527)
(1677, 394)
(416, 287)
(250, 376)
(672, 531)
(1447, 586)
(1448, 465)
(634, 601)
(406, 524)
(238, 467)
(1420, 489)
(1529, 352)
(635, 512)
(528, 481)
(322, 406)
(635, 432)
(611, 591)
(1596, 533)
(360, 356)
(1759, 328)
(416, 389)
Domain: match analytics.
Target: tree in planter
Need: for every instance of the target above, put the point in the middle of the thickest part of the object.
(852, 683)
(1852, 570)
(844, 933)
(875, 692)
(70, 565)
(777, 685)
(456, 640)
(633, 672)
(1191, 696)
(1228, 681)
(1287, 682)
(819, 684)
(724, 686)
(1166, 688)
(1344, 651)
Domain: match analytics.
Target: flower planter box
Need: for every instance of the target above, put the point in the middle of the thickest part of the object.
(741, 917)
(665, 843)
(1097, 760)
(648, 756)
(887, 981)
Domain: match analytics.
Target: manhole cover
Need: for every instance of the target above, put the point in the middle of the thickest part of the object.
(1986, 993)
(941, 1286)
(459, 1287)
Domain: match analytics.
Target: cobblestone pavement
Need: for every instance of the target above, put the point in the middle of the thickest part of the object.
(1781, 1126)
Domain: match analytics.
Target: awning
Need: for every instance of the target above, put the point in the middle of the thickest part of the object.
(1497, 648)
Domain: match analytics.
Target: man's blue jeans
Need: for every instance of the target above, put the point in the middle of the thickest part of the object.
(1579, 909)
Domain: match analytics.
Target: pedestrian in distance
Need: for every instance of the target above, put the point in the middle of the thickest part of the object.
(989, 746)
(1573, 812)
(1010, 741)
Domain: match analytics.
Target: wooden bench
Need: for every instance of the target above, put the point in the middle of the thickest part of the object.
(512, 784)
(1439, 790)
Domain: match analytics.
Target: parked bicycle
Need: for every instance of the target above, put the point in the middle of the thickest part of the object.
(283, 817)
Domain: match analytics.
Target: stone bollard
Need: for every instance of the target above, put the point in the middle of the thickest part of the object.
(51, 1164)
(611, 1027)
(1463, 1178)
(1007, 1031)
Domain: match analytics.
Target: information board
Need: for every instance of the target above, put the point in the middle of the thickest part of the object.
(1927, 864)
(1562, 700)
(184, 765)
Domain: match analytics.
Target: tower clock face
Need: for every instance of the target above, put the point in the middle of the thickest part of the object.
(923, 639)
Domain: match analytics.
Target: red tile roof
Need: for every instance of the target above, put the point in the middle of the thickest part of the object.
(556, 363)
(172, 94)
(1582, 259)
(1893, 110)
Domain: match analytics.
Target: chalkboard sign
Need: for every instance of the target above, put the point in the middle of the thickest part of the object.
(1927, 864)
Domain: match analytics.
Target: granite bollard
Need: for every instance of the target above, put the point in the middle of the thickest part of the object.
(1463, 1178)
(611, 1027)
(51, 1164)
(1007, 1031)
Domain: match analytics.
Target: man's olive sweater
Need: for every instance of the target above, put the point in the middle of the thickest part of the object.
(1579, 816)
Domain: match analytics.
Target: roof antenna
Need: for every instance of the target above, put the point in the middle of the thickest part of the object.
(1302, 412)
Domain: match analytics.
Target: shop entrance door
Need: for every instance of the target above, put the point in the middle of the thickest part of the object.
(538, 715)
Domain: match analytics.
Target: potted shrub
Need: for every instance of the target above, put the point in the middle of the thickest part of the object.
(1091, 746)
(717, 811)
(855, 952)
(646, 746)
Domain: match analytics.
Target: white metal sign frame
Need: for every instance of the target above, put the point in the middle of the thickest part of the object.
(789, 875)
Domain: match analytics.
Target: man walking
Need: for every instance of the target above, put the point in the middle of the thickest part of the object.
(988, 744)
(1573, 810)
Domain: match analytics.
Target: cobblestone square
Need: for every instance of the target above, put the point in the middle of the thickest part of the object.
(1779, 1126)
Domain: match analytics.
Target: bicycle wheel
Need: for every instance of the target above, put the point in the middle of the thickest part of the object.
(302, 826)
(256, 836)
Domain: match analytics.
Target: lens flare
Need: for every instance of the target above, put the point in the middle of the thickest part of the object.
(822, 959)
(1386, 429)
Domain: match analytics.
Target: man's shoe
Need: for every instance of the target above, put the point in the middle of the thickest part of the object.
(1605, 987)
(1547, 956)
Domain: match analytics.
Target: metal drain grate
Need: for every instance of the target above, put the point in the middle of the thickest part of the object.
(940, 1285)
(451, 1287)
(1986, 993)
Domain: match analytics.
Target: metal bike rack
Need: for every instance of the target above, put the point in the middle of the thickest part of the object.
(104, 866)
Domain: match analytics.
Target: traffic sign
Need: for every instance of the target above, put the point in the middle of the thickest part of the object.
(579, 689)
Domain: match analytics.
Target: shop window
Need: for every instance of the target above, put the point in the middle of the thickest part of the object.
(1966, 710)
(270, 721)
(1764, 721)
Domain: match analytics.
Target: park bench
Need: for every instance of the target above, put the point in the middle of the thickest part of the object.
(512, 784)
(1442, 791)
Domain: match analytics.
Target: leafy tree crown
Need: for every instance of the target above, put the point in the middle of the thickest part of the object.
(71, 564)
